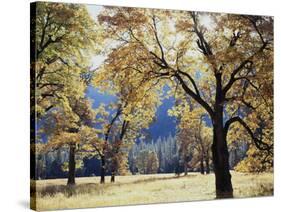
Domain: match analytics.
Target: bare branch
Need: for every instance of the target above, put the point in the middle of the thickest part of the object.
(118, 113)
(242, 65)
(191, 80)
(257, 141)
(158, 41)
(202, 44)
(196, 97)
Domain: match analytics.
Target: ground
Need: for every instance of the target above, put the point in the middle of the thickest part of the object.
(144, 189)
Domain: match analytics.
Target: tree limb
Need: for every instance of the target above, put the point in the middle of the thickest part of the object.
(191, 80)
(258, 142)
(196, 97)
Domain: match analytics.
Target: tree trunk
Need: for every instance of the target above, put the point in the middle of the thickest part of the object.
(220, 158)
(219, 147)
(207, 165)
(113, 170)
(202, 165)
(185, 169)
(71, 165)
(102, 173)
(112, 179)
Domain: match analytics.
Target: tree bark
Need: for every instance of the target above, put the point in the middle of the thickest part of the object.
(220, 159)
(113, 170)
(201, 165)
(207, 161)
(71, 165)
(112, 179)
(185, 169)
(102, 174)
(219, 147)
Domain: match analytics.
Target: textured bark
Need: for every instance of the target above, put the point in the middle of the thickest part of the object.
(71, 166)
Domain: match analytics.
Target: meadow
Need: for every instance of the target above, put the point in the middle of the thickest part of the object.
(142, 189)
(134, 90)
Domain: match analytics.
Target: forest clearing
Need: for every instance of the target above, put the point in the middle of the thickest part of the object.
(145, 189)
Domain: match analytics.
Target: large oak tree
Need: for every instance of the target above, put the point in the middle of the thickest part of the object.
(222, 62)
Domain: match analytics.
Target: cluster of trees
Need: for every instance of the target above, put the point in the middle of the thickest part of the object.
(218, 66)
(169, 153)
(195, 138)
(49, 166)
(64, 37)
(147, 162)
(163, 152)
(163, 155)
(59, 63)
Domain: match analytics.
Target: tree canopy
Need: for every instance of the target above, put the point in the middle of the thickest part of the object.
(217, 67)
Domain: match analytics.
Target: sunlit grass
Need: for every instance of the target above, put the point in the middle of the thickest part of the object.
(144, 189)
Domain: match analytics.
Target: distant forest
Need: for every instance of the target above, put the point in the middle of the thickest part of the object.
(165, 157)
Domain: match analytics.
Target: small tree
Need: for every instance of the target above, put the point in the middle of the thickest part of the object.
(194, 138)
(64, 130)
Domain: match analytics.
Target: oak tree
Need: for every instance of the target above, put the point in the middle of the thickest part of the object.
(220, 61)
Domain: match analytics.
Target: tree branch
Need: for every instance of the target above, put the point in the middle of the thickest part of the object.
(158, 42)
(118, 113)
(202, 44)
(196, 97)
(191, 80)
(258, 142)
(48, 42)
(242, 65)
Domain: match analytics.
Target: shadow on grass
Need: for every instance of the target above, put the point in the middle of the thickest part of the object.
(68, 191)
(153, 179)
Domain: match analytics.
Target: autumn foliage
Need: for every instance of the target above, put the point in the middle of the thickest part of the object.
(217, 67)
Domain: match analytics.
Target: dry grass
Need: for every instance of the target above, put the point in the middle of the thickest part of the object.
(144, 189)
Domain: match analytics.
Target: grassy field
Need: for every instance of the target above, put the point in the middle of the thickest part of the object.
(53, 194)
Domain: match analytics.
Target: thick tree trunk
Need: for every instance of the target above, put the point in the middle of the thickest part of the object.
(201, 165)
(220, 159)
(219, 147)
(102, 173)
(71, 166)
